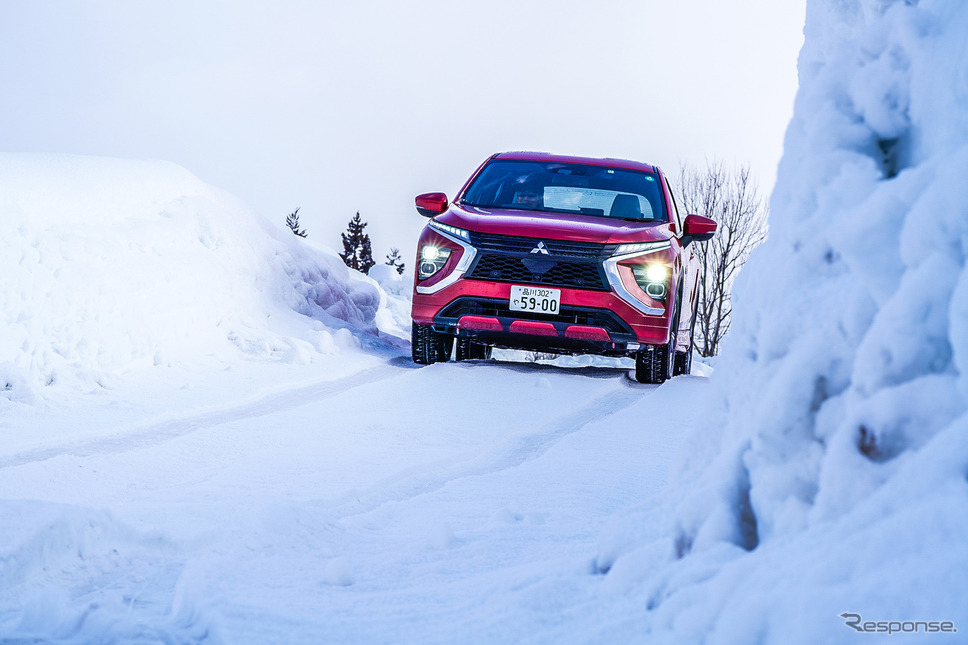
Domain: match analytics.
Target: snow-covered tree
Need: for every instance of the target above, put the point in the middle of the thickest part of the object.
(357, 253)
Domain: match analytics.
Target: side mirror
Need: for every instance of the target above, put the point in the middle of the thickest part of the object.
(697, 228)
(430, 204)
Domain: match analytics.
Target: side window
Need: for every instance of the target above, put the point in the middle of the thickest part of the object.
(675, 207)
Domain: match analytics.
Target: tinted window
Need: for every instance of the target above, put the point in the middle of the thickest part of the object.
(567, 188)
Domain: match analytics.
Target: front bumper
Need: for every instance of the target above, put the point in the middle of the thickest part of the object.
(595, 322)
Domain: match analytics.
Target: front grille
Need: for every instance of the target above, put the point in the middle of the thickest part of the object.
(505, 258)
(524, 245)
(504, 268)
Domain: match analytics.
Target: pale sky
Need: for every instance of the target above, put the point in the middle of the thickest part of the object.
(338, 107)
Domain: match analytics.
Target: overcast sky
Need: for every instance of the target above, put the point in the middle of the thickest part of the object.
(338, 107)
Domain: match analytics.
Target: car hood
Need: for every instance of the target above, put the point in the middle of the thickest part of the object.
(554, 226)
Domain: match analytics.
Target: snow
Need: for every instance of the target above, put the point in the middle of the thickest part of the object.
(111, 265)
(212, 431)
(840, 454)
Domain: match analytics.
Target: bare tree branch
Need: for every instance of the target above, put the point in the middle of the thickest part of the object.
(731, 197)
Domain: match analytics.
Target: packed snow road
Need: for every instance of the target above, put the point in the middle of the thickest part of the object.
(461, 501)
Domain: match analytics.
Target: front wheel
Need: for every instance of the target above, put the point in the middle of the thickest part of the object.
(655, 363)
(427, 346)
(658, 363)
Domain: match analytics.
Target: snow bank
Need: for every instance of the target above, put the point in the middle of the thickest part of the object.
(108, 265)
(76, 542)
(393, 317)
(831, 476)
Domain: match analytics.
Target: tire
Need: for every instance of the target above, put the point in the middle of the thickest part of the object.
(445, 346)
(683, 364)
(468, 349)
(427, 346)
(657, 363)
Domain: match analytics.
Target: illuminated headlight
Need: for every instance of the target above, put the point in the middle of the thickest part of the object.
(453, 230)
(642, 247)
(432, 259)
(656, 273)
(653, 279)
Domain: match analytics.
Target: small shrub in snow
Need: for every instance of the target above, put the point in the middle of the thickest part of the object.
(293, 223)
(394, 260)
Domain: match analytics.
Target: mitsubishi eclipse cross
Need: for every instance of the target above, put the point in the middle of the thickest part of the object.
(561, 254)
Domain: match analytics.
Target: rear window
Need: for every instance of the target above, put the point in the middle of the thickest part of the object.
(567, 188)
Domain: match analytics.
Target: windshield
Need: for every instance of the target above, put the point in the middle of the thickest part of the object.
(567, 188)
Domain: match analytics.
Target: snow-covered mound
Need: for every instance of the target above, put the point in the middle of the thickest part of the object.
(832, 478)
(393, 317)
(107, 265)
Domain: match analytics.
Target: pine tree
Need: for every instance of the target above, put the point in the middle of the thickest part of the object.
(357, 253)
(394, 260)
(293, 223)
(366, 255)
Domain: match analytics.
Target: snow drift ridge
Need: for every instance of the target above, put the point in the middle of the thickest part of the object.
(844, 383)
(107, 265)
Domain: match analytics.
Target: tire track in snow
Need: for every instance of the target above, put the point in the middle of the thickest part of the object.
(157, 432)
(514, 452)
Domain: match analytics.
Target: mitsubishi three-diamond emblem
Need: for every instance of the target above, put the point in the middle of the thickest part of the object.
(540, 248)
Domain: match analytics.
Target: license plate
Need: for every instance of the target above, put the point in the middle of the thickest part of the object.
(538, 299)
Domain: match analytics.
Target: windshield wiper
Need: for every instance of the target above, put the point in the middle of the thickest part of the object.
(514, 207)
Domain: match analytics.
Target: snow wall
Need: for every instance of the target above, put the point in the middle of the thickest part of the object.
(836, 462)
(108, 265)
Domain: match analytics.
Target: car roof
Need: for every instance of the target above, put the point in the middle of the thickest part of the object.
(591, 161)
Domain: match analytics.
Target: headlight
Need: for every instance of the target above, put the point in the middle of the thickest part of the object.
(453, 230)
(653, 279)
(642, 247)
(432, 259)
(656, 273)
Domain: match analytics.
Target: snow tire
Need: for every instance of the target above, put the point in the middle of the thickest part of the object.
(658, 363)
(654, 364)
(683, 363)
(427, 346)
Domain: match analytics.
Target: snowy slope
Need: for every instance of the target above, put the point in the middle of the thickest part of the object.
(110, 265)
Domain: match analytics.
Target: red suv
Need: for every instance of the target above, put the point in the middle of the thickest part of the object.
(561, 254)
